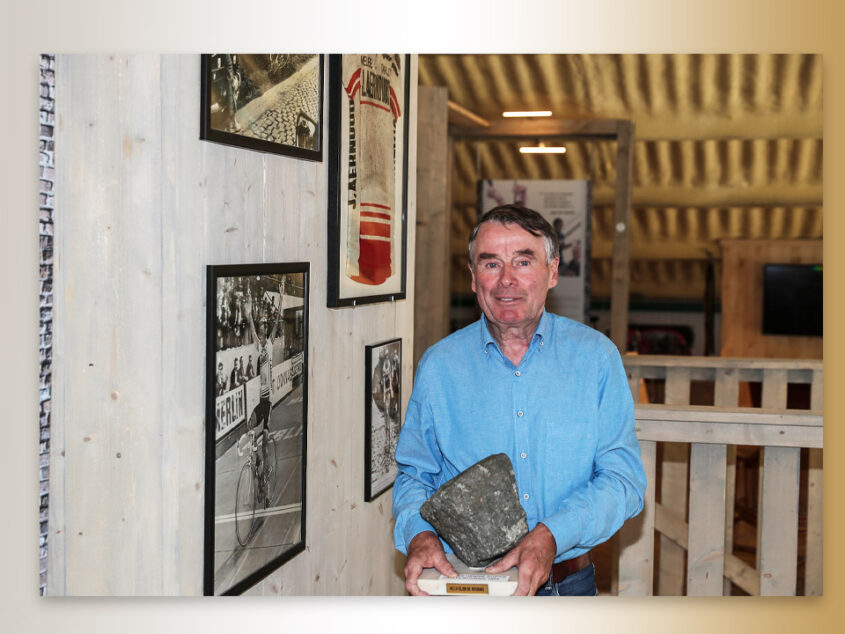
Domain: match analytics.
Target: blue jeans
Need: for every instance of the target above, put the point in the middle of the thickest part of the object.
(578, 584)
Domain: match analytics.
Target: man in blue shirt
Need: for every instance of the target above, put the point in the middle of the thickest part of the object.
(549, 392)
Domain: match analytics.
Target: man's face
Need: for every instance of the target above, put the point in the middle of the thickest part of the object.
(510, 276)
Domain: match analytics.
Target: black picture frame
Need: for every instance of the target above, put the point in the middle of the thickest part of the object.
(367, 207)
(275, 100)
(382, 415)
(250, 533)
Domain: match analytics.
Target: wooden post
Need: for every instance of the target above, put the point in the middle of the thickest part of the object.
(620, 280)
(431, 281)
(706, 553)
(778, 545)
(773, 397)
(813, 561)
(673, 487)
(636, 538)
(726, 394)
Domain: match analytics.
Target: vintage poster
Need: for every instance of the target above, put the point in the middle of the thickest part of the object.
(367, 228)
(567, 205)
(256, 421)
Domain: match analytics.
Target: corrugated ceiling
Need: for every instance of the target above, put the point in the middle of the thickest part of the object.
(727, 146)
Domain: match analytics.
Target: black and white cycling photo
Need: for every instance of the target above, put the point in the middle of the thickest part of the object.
(270, 102)
(255, 425)
(383, 415)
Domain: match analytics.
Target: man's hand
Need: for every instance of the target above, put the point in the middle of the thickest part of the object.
(533, 557)
(425, 551)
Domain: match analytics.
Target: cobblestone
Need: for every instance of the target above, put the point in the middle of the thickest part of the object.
(298, 93)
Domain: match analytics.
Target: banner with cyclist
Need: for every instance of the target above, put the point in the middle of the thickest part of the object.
(237, 405)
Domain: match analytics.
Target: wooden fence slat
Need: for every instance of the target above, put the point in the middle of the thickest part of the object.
(675, 468)
(726, 394)
(743, 575)
(730, 432)
(677, 530)
(813, 561)
(774, 389)
(779, 433)
(634, 378)
(778, 545)
(773, 397)
(706, 551)
(636, 538)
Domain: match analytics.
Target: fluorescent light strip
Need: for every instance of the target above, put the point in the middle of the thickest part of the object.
(542, 149)
(528, 113)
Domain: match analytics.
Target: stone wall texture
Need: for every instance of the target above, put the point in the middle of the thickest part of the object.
(45, 221)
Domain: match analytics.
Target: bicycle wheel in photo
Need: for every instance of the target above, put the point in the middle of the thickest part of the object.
(271, 470)
(245, 504)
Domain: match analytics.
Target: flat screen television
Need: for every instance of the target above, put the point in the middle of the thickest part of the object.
(792, 299)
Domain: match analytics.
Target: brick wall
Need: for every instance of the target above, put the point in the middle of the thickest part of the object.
(45, 214)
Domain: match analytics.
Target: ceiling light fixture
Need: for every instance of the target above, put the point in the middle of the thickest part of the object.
(528, 113)
(542, 149)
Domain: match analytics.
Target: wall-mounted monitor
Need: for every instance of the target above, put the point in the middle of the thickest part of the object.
(792, 299)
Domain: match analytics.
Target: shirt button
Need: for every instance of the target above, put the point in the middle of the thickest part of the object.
(541, 343)
(517, 373)
(519, 413)
(526, 496)
(523, 455)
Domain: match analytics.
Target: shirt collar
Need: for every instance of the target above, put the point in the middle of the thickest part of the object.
(539, 334)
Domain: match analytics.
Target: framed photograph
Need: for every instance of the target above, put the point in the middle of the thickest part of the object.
(255, 422)
(368, 175)
(382, 415)
(270, 103)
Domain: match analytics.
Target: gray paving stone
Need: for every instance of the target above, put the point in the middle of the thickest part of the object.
(478, 512)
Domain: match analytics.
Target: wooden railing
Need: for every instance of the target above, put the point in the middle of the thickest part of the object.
(689, 453)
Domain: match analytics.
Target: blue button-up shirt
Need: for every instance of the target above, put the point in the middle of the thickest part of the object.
(564, 416)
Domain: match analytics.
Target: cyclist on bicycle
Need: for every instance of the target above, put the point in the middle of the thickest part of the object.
(264, 344)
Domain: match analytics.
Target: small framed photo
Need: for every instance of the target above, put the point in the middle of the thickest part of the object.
(255, 423)
(382, 415)
(368, 175)
(270, 103)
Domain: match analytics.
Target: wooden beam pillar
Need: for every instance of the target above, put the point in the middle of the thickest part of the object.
(620, 281)
(431, 281)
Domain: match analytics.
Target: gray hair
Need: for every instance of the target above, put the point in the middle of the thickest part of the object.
(523, 217)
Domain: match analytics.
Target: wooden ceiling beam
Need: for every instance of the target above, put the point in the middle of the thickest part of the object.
(707, 128)
(514, 129)
(680, 197)
(464, 118)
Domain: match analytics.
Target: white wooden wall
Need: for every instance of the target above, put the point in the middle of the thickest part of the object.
(142, 207)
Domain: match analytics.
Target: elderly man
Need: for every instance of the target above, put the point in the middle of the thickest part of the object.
(549, 392)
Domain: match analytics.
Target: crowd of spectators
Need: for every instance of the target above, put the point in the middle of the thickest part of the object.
(240, 374)
(232, 325)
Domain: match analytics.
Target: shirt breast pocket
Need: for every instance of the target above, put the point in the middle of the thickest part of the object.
(569, 439)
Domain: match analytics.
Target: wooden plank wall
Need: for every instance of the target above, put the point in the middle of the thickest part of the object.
(142, 207)
(742, 298)
(434, 212)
